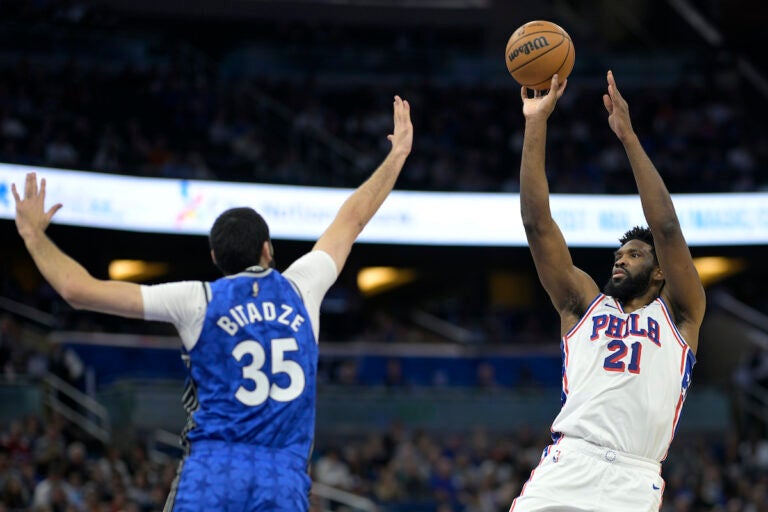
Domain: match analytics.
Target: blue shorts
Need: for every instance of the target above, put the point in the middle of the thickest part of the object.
(239, 478)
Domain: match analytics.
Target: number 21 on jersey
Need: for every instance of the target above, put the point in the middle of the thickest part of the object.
(615, 361)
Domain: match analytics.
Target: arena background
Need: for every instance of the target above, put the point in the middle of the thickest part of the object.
(436, 390)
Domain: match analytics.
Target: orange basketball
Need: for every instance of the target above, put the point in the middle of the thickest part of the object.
(538, 50)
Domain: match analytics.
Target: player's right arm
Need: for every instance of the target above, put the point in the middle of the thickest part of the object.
(569, 288)
(365, 201)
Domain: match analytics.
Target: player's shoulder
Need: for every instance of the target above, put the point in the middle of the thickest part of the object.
(313, 262)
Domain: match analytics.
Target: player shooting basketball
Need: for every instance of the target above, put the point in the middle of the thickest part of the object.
(627, 352)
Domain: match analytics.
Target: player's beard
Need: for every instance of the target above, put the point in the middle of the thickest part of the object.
(629, 286)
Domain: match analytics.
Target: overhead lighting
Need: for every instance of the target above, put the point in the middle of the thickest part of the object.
(136, 270)
(373, 280)
(716, 268)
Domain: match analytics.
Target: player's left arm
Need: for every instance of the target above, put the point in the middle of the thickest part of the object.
(365, 201)
(683, 288)
(79, 288)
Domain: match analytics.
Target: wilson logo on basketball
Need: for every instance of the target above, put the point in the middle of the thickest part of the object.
(527, 48)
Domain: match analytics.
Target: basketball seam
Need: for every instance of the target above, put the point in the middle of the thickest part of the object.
(541, 32)
(565, 59)
(570, 48)
(542, 54)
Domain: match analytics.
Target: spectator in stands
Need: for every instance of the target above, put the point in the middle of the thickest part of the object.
(53, 491)
(14, 495)
(393, 376)
(50, 449)
(292, 127)
(703, 473)
(331, 470)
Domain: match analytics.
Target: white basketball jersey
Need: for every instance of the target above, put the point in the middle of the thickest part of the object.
(625, 377)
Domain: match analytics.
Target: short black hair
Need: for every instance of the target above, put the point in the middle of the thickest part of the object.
(642, 233)
(237, 238)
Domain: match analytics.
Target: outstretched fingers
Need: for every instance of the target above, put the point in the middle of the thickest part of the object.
(608, 103)
(554, 84)
(613, 91)
(405, 110)
(55, 208)
(401, 110)
(30, 186)
(52, 211)
(15, 193)
(561, 88)
(556, 89)
(402, 132)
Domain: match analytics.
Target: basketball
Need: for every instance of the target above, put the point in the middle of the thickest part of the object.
(538, 50)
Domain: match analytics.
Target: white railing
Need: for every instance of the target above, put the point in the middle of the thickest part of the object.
(746, 314)
(753, 396)
(325, 496)
(79, 408)
(163, 446)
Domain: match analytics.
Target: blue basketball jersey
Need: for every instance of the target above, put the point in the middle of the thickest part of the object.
(252, 372)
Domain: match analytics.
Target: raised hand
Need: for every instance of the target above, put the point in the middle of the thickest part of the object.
(402, 136)
(543, 103)
(618, 110)
(31, 216)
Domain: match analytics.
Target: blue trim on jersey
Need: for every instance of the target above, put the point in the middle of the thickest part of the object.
(563, 394)
(674, 327)
(685, 383)
(690, 361)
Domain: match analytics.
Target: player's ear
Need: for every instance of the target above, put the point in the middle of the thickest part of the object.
(213, 258)
(267, 254)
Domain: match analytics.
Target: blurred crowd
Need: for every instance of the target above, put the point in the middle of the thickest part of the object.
(80, 91)
(162, 122)
(476, 471)
(152, 105)
(44, 468)
(26, 354)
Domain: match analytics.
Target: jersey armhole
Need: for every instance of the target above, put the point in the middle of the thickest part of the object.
(591, 307)
(207, 292)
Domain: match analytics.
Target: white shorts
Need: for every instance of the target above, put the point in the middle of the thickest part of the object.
(577, 476)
